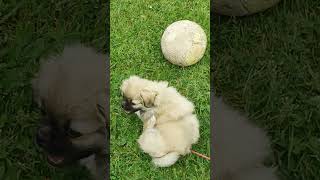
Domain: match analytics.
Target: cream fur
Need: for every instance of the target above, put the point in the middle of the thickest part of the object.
(170, 126)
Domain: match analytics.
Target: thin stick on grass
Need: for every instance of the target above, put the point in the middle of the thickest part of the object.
(200, 155)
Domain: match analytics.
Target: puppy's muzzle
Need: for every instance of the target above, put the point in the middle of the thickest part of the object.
(128, 107)
(124, 105)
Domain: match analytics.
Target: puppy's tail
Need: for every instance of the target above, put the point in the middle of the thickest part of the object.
(166, 160)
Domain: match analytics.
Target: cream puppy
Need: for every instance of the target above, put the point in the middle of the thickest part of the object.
(170, 126)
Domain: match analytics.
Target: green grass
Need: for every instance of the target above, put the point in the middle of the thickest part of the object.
(136, 29)
(31, 30)
(268, 65)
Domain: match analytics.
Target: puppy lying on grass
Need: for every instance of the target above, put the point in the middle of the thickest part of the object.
(170, 126)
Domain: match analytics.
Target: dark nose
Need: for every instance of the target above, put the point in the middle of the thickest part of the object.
(124, 104)
(43, 135)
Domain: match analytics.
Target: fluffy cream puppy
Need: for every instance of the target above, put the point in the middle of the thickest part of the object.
(170, 126)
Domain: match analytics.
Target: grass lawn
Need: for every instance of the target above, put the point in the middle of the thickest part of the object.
(268, 66)
(30, 30)
(136, 30)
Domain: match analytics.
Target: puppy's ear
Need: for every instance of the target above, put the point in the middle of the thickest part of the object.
(148, 97)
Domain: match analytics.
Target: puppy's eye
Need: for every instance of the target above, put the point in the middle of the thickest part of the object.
(124, 98)
(128, 100)
(73, 134)
(135, 102)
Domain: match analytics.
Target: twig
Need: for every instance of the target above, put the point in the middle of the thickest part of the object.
(200, 155)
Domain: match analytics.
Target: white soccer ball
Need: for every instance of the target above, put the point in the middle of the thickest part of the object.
(183, 43)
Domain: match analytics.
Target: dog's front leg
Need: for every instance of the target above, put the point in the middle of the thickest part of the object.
(151, 122)
(138, 113)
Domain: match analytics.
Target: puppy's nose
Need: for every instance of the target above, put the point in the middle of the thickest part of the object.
(123, 104)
